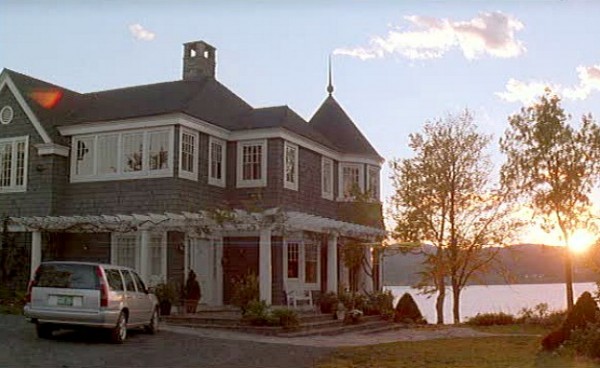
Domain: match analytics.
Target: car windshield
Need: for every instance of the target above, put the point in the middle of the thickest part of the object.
(71, 276)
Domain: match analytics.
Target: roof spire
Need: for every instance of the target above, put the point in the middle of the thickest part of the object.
(330, 85)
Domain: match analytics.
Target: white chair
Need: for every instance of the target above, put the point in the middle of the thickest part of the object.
(294, 297)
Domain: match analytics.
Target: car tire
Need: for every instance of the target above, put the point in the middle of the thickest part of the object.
(119, 333)
(44, 330)
(152, 327)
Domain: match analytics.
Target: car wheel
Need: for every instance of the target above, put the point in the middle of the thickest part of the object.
(152, 327)
(119, 332)
(44, 330)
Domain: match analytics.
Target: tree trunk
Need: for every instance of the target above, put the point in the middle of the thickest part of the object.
(569, 277)
(439, 303)
(456, 303)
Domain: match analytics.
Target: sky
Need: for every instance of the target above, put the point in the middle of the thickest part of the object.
(396, 64)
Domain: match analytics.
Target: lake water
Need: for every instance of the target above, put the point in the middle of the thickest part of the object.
(494, 298)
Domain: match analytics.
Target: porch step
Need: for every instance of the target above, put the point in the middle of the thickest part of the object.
(363, 327)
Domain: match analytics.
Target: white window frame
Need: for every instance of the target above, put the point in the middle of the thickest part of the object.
(300, 281)
(121, 174)
(361, 179)
(327, 193)
(262, 182)
(373, 193)
(13, 187)
(191, 175)
(212, 180)
(293, 185)
(152, 280)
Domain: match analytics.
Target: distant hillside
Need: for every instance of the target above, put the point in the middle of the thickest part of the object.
(526, 263)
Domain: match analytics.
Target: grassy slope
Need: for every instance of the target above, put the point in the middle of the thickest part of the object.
(481, 352)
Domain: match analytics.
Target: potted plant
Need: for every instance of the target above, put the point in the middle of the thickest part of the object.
(328, 302)
(340, 312)
(167, 295)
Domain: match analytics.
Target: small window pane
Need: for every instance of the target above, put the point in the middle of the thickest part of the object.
(84, 164)
(5, 164)
(292, 260)
(188, 147)
(290, 164)
(133, 152)
(252, 162)
(108, 152)
(216, 160)
(311, 257)
(158, 150)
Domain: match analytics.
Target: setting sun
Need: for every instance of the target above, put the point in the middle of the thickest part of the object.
(581, 241)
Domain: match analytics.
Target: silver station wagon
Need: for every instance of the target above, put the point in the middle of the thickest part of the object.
(83, 294)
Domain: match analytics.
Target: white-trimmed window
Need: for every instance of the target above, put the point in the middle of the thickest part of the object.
(188, 154)
(126, 251)
(122, 155)
(217, 156)
(252, 164)
(302, 263)
(13, 164)
(373, 182)
(290, 166)
(327, 178)
(351, 179)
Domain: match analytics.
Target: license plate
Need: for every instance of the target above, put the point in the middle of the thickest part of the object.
(64, 300)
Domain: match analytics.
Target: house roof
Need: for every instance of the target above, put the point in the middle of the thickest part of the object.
(205, 99)
(333, 122)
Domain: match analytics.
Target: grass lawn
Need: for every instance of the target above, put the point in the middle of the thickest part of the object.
(480, 352)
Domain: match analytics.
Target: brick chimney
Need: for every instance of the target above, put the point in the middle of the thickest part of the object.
(199, 60)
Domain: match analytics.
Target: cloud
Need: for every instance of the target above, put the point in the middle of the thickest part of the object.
(525, 92)
(528, 92)
(140, 33)
(491, 34)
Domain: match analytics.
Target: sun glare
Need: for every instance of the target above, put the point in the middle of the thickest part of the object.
(581, 241)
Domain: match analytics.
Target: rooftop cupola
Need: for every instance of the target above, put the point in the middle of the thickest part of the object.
(199, 60)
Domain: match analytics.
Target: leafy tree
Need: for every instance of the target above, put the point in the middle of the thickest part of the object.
(444, 197)
(555, 165)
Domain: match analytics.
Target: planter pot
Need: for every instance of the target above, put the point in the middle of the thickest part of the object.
(165, 308)
(340, 315)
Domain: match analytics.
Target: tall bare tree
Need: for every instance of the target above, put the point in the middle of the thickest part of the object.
(555, 165)
(445, 197)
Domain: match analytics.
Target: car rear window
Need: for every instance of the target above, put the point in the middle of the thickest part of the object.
(70, 276)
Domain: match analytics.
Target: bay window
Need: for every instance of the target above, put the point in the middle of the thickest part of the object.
(217, 157)
(351, 180)
(188, 154)
(122, 155)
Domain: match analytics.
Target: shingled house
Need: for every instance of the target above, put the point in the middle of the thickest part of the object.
(184, 175)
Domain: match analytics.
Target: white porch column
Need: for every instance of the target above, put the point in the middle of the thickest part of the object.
(368, 273)
(265, 268)
(219, 270)
(36, 251)
(332, 264)
(144, 245)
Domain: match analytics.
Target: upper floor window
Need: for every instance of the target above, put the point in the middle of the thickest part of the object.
(122, 155)
(293, 270)
(351, 180)
(373, 182)
(252, 164)
(188, 154)
(13, 164)
(327, 178)
(290, 167)
(217, 157)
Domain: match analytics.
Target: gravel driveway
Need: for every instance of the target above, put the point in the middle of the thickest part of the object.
(19, 347)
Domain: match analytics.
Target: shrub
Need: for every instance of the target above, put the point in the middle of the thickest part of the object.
(540, 315)
(491, 319)
(407, 311)
(286, 318)
(246, 291)
(586, 341)
(328, 302)
(257, 313)
(583, 314)
(381, 303)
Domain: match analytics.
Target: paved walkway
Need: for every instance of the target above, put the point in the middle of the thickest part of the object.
(347, 339)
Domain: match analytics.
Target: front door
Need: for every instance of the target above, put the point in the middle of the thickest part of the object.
(204, 260)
